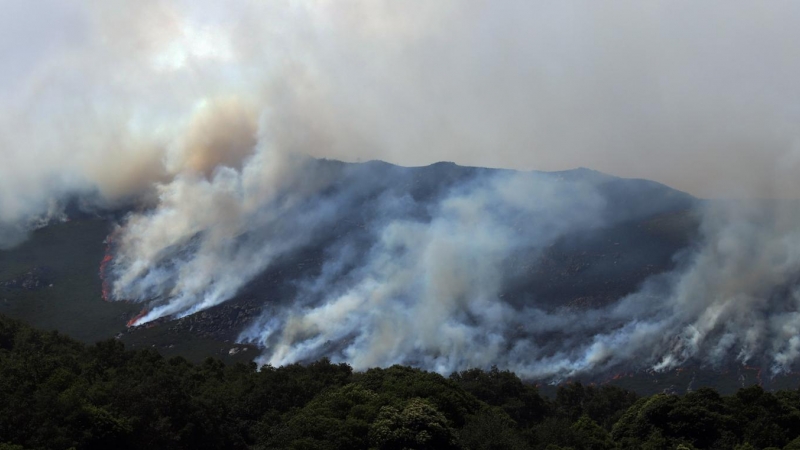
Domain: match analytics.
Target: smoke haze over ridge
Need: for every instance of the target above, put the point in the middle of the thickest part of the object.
(669, 91)
(202, 114)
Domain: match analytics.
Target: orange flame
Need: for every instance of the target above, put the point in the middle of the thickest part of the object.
(758, 373)
(617, 376)
(106, 288)
(141, 314)
(107, 258)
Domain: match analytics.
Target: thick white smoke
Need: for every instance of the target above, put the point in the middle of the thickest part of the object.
(193, 251)
(428, 292)
(199, 117)
(431, 293)
(740, 296)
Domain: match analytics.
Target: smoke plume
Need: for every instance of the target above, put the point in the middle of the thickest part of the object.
(204, 121)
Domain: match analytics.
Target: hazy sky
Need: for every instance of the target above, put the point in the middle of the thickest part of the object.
(114, 95)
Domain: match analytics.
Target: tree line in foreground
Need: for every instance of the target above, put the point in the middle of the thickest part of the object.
(56, 393)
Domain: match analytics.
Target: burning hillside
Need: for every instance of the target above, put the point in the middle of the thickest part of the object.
(212, 127)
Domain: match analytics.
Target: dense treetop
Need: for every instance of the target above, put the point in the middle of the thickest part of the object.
(56, 393)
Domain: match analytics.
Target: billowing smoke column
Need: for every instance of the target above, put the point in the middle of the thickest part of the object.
(201, 119)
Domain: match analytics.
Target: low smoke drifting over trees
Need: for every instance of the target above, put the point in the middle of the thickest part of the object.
(58, 393)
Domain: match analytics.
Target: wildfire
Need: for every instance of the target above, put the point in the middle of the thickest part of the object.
(107, 258)
(106, 288)
(758, 373)
(617, 377)
(141, 314)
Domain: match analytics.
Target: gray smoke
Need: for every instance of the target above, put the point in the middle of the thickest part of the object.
(428, 292)
(739, 297)
(203, 115)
